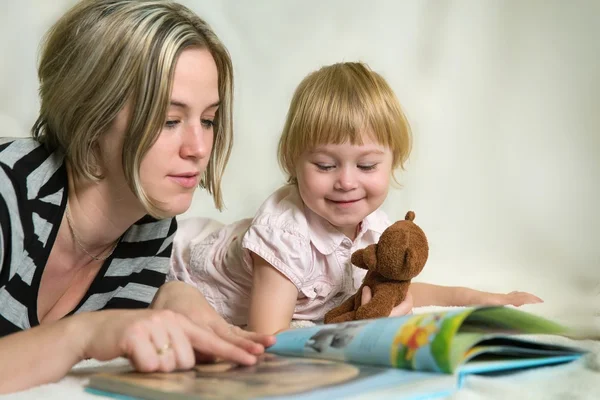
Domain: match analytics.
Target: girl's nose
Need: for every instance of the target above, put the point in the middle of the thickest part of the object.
(346, 179)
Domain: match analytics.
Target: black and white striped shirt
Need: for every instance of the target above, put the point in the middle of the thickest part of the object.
(33, 198)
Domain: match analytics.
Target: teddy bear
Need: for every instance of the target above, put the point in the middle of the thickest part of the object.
(398, 256)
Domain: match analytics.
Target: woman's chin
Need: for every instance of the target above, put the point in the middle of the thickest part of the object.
(176, 206)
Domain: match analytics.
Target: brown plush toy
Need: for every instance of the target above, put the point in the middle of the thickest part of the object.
(399, 256)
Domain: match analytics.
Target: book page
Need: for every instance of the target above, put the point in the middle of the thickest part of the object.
(305, 379)
(436, 342)
(416, 342)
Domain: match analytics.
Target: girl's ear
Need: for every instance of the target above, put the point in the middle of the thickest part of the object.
(366, 258)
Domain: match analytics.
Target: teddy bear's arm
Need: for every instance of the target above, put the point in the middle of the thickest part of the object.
(349, 316)
(385, 297)
(343, 308)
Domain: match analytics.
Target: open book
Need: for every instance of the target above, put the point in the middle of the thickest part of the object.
(416, 356)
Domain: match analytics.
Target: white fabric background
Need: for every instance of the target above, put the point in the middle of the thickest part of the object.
(502, 97)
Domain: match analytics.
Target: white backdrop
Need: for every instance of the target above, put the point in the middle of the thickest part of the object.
(503, 100)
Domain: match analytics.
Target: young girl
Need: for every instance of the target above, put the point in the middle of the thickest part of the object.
(344, 136)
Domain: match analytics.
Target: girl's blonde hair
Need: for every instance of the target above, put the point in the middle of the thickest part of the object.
(338, 104)
(103, 54)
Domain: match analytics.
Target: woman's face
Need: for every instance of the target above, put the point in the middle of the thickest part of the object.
(171, 170)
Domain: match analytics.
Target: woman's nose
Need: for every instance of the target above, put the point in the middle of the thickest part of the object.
(196, 142)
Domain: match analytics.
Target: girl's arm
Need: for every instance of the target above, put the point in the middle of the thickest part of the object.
(273, 299)
(426, 294)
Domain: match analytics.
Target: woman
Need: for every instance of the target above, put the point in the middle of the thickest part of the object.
(135, 114)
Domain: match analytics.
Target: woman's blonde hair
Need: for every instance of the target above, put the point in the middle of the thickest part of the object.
(338, 104)
(103, 54)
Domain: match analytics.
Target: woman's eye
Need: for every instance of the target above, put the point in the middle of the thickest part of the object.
(324, 167)
(207, 123)
(172, 123)
(367, 167)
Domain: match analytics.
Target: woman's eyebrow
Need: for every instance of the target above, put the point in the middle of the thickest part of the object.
(181, 104)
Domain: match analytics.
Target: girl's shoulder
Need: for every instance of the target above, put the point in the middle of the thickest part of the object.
(283, 210)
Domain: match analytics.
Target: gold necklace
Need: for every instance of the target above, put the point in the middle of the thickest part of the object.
(76, 237)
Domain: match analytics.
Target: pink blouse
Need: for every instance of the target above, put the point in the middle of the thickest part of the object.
(304, 247)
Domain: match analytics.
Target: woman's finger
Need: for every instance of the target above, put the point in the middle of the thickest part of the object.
(234, 335)
(207, 342)
(140, 350)
(163, 346)
(260, 338)
(182, 348)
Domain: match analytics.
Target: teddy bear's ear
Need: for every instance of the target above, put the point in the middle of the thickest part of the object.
(365, 258)
(410, 216)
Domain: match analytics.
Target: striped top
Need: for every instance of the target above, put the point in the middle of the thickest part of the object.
(33, 198)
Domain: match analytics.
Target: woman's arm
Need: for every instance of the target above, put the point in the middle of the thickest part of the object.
(153, 340)
(425, 294)
(39, 355)
(273, 299)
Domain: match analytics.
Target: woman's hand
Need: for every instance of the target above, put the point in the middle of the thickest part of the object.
(157, 340)
(153, 340)
(189, 301)
(403, 308)
(252, 342)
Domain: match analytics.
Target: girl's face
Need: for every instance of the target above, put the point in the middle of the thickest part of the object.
(171, 170)
(344, 183)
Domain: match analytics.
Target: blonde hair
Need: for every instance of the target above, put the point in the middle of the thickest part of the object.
(103, 54)
(338, 104)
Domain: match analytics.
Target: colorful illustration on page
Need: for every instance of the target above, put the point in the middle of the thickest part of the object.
(412, 348)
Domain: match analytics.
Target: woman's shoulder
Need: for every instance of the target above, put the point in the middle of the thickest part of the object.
(29, 171)
(15, 150)
(149, 229)
(25, 160)
(32, 189)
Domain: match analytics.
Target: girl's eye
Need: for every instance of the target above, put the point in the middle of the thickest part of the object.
(207, 123)
(324, 167)
(170, 124)
(368, 167)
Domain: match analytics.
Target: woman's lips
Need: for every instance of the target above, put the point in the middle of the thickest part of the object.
(186, 181)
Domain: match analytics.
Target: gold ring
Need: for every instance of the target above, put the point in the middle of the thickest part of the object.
(162, 350)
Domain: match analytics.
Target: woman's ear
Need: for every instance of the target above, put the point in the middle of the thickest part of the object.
(365, 258)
